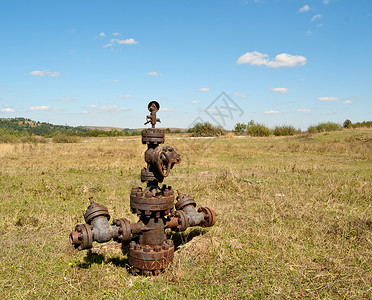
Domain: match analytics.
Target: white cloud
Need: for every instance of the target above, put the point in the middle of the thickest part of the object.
(165, 109)
(204, 89)
(304, 8)
(195, 102)
(240, 95)
(115, 33)
(92, 106)
(125, 96)
(316, 17)
(327, 98)
(102, 34)
(85, 112)
(319, 25)
(280, 90)
(272, 112)
(325, 2)
(109, 108)
(304, 110)
(281, 60)
(154, 74)
(108, 45)
(65, 99)
(42, 107)
(309, 32)
(347, 102)
(8, 109)
(129, 41)
(44, 73)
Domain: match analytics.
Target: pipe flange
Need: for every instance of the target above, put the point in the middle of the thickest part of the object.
(153, 136)
(184, 200)
(95, 210)
(182, 220)
(210, 216)
(145, 201)
(148, 260)
(82, 237)
(125, 233)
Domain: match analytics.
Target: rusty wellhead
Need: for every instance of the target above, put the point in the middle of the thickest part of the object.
(150, 252)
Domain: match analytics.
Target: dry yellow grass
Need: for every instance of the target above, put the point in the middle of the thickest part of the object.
(294, 218)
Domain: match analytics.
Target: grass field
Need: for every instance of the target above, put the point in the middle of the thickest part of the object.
(294, 218)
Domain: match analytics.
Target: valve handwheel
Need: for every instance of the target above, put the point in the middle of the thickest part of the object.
(160, 164)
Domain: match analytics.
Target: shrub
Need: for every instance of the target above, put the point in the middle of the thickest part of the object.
(8, 138)
(312, 129)
(206, 129)
(367, 124)
(64, 138)
(347, 123)
(328, 126)
(257, 129)
(32, 139)
(323, 127)
(240, 128)
(285, 130)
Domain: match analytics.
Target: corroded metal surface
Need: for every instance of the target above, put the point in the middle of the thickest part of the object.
(147, 260)
(145, 201)
(149, 252)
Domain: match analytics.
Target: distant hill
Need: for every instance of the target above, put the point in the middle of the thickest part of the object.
(104, 128)
(22, 125)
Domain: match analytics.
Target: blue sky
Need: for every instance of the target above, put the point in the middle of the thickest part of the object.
(100, 62)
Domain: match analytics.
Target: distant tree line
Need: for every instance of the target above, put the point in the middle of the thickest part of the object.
(349, 124)
(23, 127)
(253, 128)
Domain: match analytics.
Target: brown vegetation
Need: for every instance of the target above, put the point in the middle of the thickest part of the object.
(294, 218)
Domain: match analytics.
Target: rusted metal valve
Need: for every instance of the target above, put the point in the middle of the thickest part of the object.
(150, 251)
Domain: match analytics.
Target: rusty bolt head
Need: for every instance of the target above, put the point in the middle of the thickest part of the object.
(165, 247)
(137, 247)
(74, 237)
(146, 248)
(157, 248)
(147, 213)
(132, 244)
